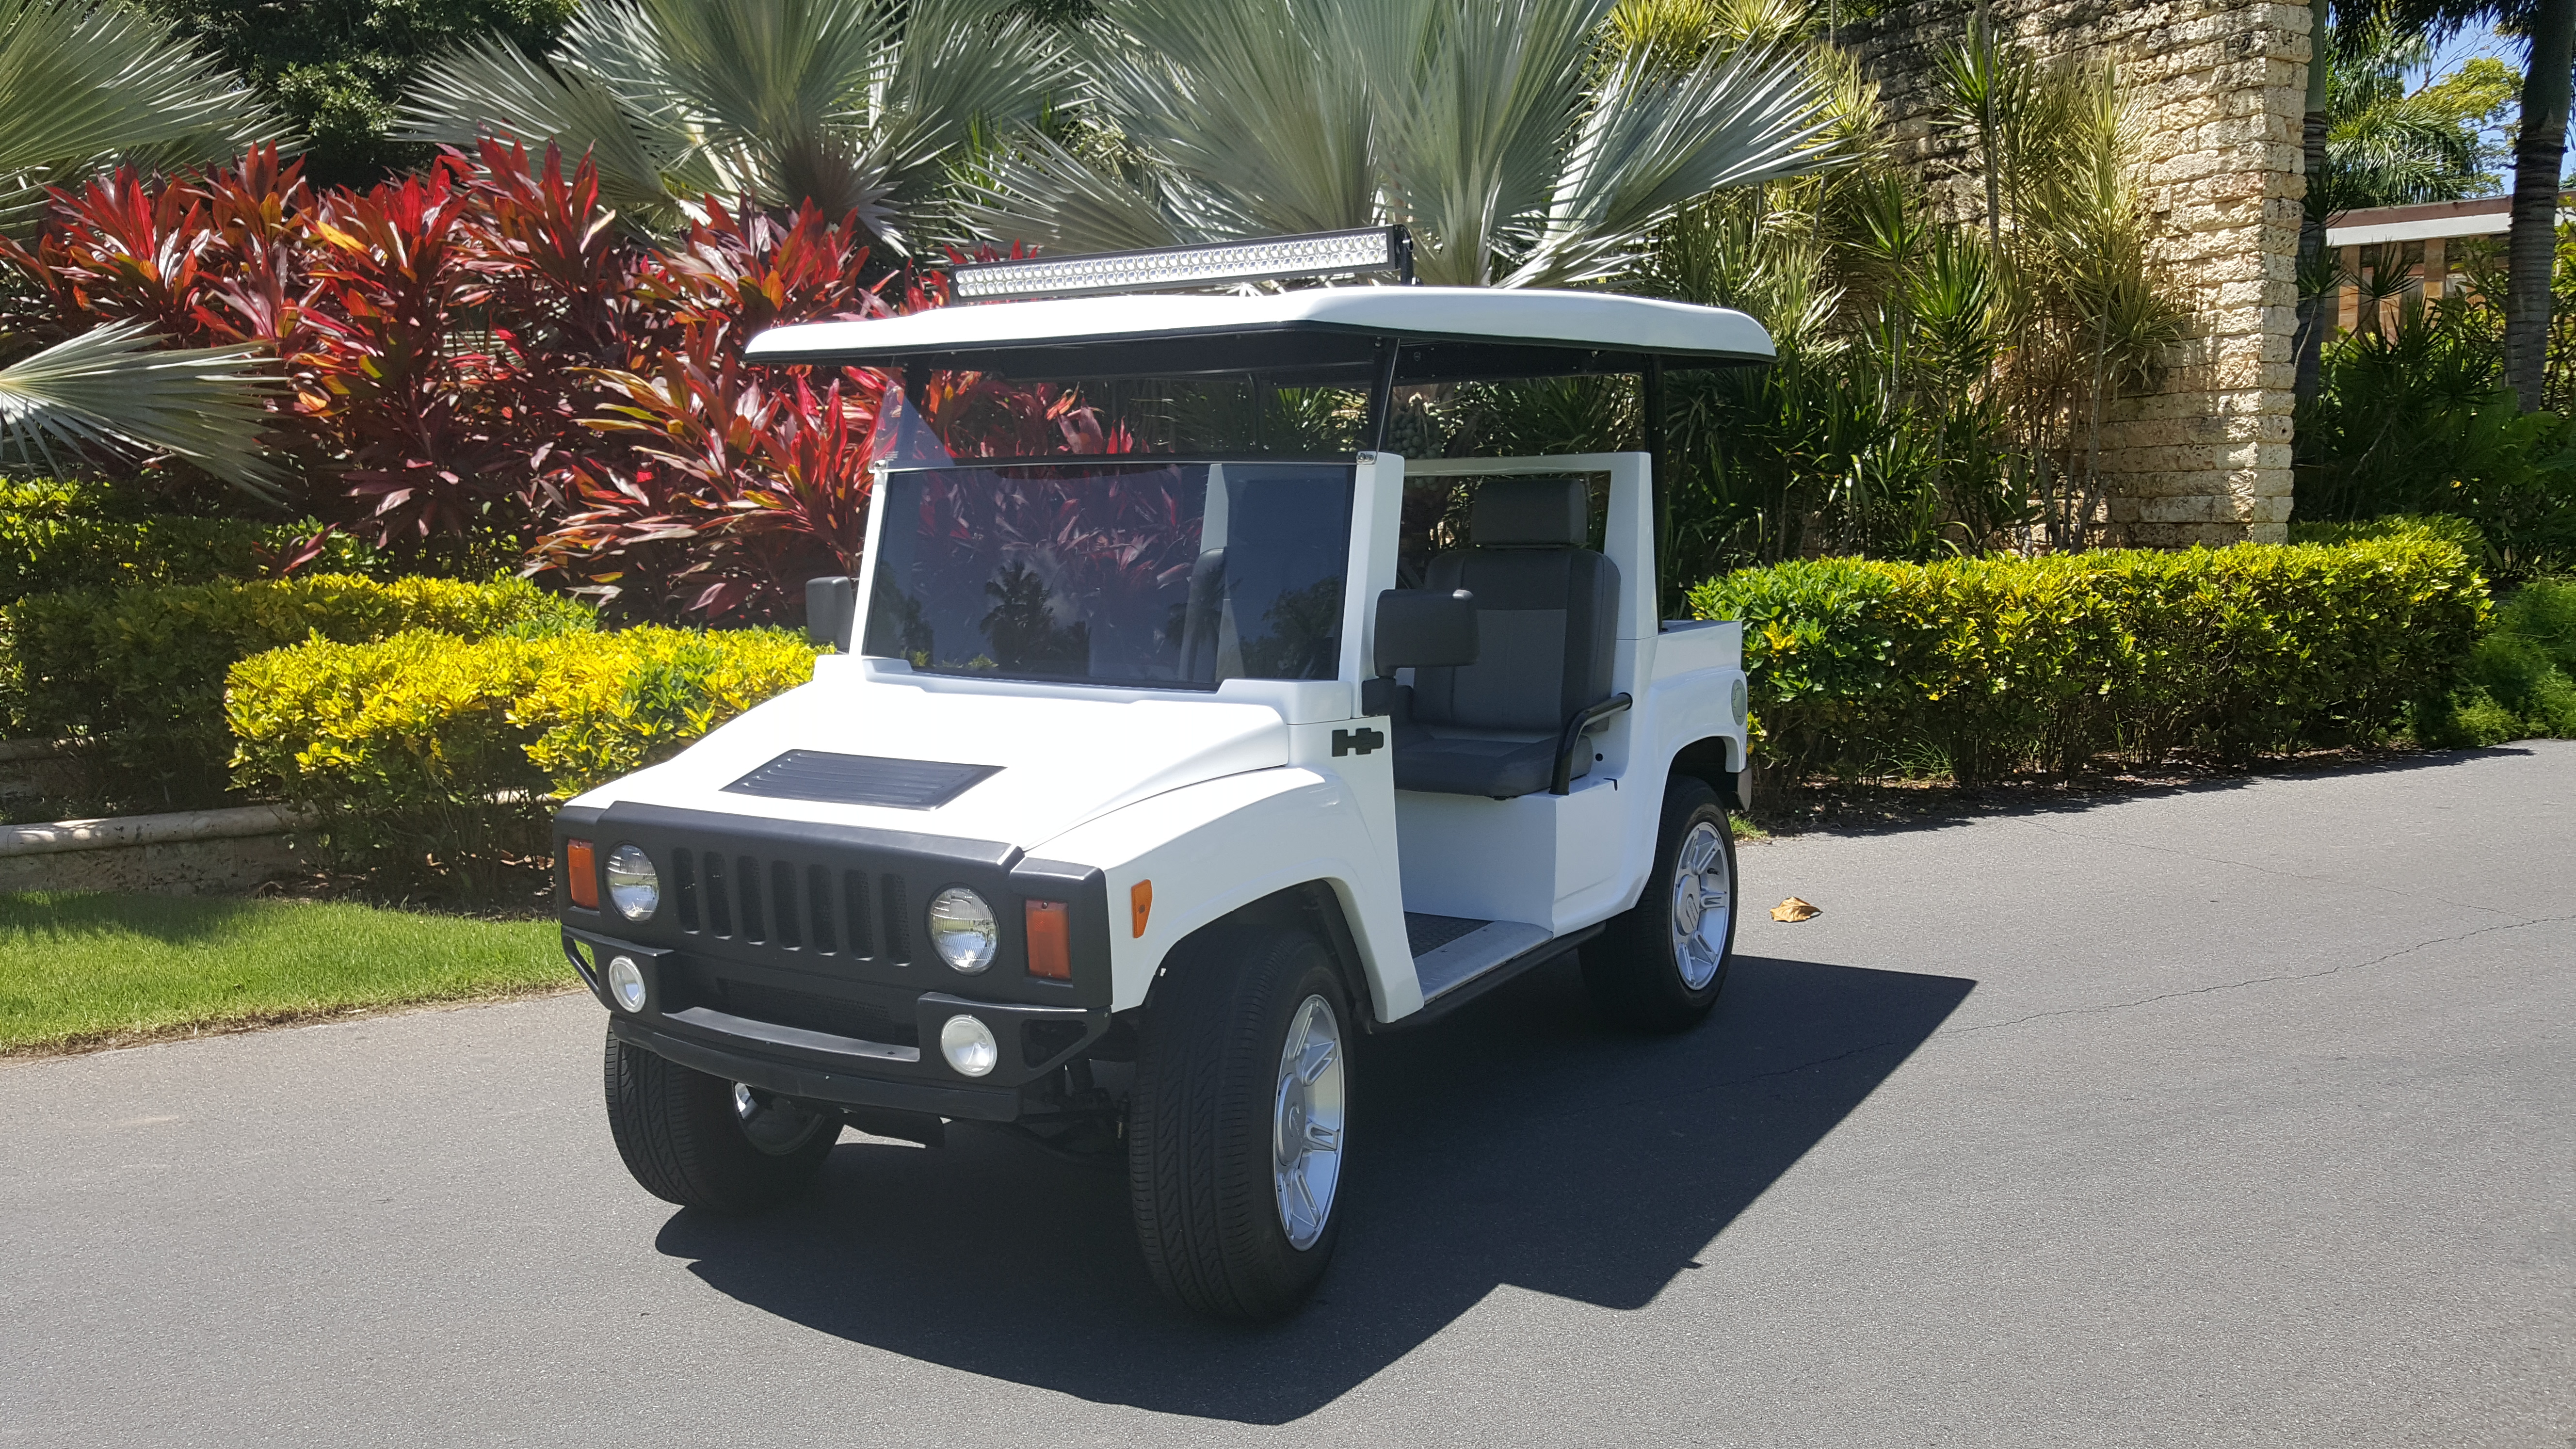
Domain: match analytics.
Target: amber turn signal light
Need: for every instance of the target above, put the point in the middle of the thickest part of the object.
(1050, 941)
(581, 875)
(1140, 903)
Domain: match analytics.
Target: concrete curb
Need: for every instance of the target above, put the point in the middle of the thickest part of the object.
(123, 831)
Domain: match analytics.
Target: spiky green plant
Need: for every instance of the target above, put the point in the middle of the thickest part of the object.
(855, 105)
(111, 391)
(85, 86)
(1518, 149)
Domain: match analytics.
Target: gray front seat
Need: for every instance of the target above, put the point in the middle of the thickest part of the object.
(1546, 622)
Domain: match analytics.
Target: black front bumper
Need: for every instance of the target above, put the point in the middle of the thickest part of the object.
(824, 1066)
(792, 957)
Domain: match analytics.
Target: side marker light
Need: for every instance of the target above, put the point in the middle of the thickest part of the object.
(581, 874)
(1050, 940)
(1140, 903)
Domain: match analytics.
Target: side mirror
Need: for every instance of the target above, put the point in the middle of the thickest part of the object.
(1425, 628)
(831, 611)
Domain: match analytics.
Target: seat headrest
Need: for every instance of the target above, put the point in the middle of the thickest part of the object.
(1530, 513)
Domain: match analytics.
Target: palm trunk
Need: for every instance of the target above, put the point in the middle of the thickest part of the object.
(2315, 313)
(1986, 140)
(2539, 150)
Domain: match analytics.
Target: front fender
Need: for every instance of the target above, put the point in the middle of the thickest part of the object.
(1212, 848)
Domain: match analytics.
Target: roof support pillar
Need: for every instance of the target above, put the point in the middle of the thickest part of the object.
(1381, 406)
(1657, 487)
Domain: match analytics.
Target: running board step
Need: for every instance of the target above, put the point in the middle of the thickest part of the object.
(1450, 951)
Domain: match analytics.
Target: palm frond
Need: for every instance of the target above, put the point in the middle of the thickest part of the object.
(1258, 126)
(1651, 143)
(1478, 108)
(81, 85)
(854, 105)
(488, 88)
(112, 392)
(1044, 195)
(1489, 129)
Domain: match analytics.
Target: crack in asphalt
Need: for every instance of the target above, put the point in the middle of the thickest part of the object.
(2255, 980)
(2261, 869)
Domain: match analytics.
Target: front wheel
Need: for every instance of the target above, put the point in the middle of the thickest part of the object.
(1235, 1136)
(1659, 966)
(704, 1142)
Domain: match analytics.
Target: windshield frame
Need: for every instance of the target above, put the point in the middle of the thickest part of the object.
(1353, 564)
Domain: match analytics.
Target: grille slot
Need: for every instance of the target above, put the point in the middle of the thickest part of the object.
(747, 882)
(854, 893)
(684, 890)
(719, 900)
(818, 894)
(897, 924)
(782, 904)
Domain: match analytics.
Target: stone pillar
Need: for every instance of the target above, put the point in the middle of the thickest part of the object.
(2203, 456)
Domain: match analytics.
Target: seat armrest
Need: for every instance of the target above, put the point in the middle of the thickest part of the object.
(1584, 722)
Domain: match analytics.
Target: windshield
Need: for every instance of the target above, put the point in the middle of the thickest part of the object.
(1154, 572)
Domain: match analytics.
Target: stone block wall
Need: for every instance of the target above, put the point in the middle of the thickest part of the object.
(2204, 456)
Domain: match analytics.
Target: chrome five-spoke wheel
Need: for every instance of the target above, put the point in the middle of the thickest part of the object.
(1703, 905)
(1306, 1122)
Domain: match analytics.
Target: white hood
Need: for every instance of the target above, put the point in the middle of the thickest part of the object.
(1061, 761)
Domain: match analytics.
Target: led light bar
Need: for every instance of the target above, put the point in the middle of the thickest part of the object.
(1317, 254)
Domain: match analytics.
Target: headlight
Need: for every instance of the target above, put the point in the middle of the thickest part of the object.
(626, 982)
(962, 928)
(633, 886)
(968, 1044)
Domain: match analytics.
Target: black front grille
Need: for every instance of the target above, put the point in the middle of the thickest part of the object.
(775, 903)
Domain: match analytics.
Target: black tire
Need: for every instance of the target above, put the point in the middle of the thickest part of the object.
(1636, 969)
(687, 1142)
(1200, 1143)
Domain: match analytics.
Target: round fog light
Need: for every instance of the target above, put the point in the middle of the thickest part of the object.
(626, 982)
(968, 1044)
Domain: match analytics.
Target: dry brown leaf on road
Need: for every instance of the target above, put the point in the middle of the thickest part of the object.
(1794, 909)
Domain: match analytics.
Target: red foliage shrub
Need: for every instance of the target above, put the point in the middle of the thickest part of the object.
(483, 359)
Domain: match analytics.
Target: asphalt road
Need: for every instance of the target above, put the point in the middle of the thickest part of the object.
(2243, 1114)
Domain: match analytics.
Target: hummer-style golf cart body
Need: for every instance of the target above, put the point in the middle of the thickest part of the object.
(1140, 785)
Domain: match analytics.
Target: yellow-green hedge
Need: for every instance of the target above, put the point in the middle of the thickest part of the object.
(1981, 666)
(138, 673)
(439, 758)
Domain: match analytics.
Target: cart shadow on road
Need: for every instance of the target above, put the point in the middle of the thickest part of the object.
(1517, 1144)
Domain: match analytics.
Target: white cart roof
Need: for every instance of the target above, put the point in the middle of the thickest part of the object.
(1312, 335)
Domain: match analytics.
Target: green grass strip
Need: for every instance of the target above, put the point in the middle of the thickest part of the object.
(91, 969)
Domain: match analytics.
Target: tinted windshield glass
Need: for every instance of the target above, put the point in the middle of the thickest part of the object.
(1143, 573)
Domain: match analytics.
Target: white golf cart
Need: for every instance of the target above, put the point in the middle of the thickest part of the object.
(1142, 784)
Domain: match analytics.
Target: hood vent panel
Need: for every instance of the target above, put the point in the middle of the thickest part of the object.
(862, 780)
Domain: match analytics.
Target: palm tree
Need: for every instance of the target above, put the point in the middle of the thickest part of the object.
(2539, 150)
(84, 87)
(2388, 144)
(854, 105)
(1517, 140)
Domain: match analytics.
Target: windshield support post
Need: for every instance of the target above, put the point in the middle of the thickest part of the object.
(1382, 392)
(1657, 487)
